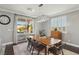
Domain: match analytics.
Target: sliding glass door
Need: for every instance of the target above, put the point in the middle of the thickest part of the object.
(24, 27)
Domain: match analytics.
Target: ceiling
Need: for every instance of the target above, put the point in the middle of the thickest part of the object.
(34, 11)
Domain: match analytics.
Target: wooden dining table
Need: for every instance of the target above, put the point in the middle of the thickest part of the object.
(45, 41)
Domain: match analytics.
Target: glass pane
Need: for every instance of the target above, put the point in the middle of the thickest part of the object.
(59, 22)
(21, 26)
(25, 26)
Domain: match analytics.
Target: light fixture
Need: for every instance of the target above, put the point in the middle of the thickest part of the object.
(30, 9)
(42, 18)
(40, 5)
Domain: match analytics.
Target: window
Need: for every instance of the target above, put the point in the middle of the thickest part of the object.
(25, 25)
(21, 26)
(29, 26)
(60, 23)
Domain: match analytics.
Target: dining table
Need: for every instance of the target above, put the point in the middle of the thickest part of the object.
(47, 41)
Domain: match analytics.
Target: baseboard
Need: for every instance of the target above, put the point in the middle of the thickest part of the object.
(71, 44)
(7, 43)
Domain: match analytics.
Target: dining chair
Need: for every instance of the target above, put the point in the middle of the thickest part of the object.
(56, 49)
(37, 46)
(60, 49)
(29, 43)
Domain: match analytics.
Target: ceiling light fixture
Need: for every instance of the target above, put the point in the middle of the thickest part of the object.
(40, 5)
(30, 9)
(42, 18)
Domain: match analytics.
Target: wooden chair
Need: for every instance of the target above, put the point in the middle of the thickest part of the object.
(29, 43)
(56, 49)
(37, 46)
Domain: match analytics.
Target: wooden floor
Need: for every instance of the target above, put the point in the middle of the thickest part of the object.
(9, 49)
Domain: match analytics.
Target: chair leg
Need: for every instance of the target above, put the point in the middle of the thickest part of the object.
(62, 52)
(32, 51)
(30, 48)
(38, 53)
(27, 46)
(45, 51)
(48, 52)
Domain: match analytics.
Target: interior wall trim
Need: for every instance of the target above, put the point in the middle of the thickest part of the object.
(71, 44)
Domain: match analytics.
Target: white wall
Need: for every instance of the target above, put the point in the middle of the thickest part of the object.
(6, 31)
(72, 35)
